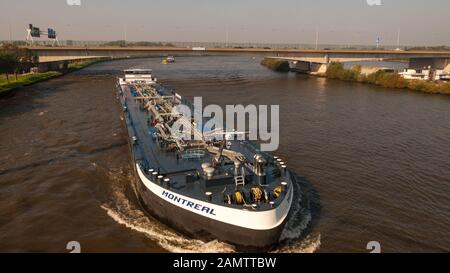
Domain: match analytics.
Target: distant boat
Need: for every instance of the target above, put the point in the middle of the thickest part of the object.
(415, 74)
(425, 74)
(445, 77)
(170, 59)
(167, 60)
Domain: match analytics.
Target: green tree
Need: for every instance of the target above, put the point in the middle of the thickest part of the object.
(7, 63)
(335, 70)
(14, 59)
(25, 60)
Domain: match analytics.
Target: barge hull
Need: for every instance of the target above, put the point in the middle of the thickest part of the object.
(200, 227)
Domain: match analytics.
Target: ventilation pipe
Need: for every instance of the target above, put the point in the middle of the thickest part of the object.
(258, 169)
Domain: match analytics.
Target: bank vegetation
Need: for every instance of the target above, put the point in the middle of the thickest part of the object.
(380, 78)
(276, 64)
(385, 79)
(16, 64)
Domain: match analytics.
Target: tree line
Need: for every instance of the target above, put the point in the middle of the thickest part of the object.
(123, 43)
(16, 60)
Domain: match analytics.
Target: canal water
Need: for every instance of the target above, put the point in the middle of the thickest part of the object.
(372, 163)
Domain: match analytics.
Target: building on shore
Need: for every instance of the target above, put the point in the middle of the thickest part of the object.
(424, 74)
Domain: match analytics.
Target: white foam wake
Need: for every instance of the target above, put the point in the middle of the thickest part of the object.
(167, 239)
(308, 245)
(124, 212)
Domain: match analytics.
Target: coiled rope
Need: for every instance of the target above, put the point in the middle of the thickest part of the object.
(256, 193)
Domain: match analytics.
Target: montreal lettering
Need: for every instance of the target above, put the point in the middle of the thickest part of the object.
(189, 204)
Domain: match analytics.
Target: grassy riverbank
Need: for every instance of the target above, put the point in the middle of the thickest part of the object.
(380, 78)
(32, 78)
(385, 79)
(80, 65)
(24, 80)
(276, 65)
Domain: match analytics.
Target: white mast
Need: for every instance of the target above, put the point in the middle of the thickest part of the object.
(226, 37)
(30, 40)
(317, 38)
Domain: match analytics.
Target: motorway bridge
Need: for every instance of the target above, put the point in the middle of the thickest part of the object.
(418, 59)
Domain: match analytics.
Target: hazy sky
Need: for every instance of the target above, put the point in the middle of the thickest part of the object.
(422, 22)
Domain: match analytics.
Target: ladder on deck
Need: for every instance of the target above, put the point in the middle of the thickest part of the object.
(239, 180)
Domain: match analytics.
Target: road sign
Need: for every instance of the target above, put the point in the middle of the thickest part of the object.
(35, 31)
(51, 33)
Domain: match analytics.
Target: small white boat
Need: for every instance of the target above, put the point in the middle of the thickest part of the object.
(170, 59)
(445, 77)
(415, 74)
(134, 76)
(424, 74)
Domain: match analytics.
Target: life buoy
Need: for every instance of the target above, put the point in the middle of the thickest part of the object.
(239, 198)
(277, 191)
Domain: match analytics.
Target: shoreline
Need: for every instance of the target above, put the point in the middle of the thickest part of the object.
(33, 78)
(379, 78)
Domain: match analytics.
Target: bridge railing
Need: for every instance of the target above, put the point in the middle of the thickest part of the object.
(217, 45)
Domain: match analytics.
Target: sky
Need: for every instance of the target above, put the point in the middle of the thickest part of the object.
(345, 22)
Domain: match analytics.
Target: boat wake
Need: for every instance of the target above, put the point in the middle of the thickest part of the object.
(293, 238)
(169, 240)
(124, 211)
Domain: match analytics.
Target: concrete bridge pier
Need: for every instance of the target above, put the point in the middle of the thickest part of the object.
(49, 66)
(433, 63)
(308, 67)
(65, 67)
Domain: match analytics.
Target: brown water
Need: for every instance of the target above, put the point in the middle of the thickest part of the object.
(373, 163)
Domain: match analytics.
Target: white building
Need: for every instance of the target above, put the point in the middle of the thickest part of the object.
(423, 74)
